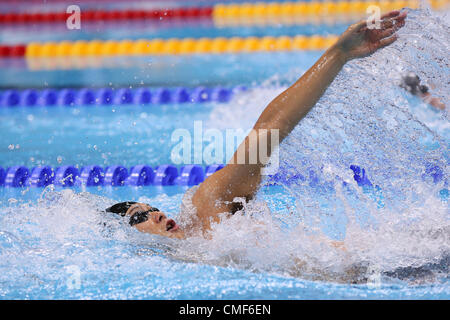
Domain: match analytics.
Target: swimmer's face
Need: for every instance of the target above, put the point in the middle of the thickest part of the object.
(157, 222)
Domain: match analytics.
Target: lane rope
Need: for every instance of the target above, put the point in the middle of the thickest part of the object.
(174, 46)
(120, 96)
(222, 13)
(163, 175)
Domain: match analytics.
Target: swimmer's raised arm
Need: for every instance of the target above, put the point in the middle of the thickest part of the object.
(215, 195)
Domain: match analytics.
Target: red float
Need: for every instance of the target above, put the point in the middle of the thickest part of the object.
(103, 15)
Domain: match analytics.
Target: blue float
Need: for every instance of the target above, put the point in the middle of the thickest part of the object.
(115, 176)
(41, 177)
(283, 178)
(104, 96)
(162, 96)
(190, 175)
(65, 176)
(201, 94)
(91, 176)
(181, 95)
(212, 168)
(359, 174)
(433, 171)
(66, 97)
(29, 97)
(142, 96)
(49, 97)
(221, 94)
(140, 175)
(165, 175)
(85, 97)
(10, 98)
(239, 88)
(2, 176)
(123, 96)
(16, 176)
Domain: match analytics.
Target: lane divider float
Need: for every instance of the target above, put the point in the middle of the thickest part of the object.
(288, 12)
(121, 96)
(175, 46)
(274, 10)
(91, 176)
(169, 175)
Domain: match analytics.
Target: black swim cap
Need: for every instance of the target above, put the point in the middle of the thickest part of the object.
(411, 82)
(121, 207)
(423, 89)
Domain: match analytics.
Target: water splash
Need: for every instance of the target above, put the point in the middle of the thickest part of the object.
(366, 119)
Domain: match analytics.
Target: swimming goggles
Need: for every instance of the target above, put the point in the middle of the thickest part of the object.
(141, 216)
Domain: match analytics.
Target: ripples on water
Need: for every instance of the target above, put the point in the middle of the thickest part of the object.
(399, 230)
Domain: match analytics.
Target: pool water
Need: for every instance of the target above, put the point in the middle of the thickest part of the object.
(57, 244)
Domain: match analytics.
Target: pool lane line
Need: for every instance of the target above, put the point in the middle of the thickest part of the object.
(266, 13)
(334, 9)
(168, 175)
(120, 96)
(173, 46)
(227, 13)
(115, 176)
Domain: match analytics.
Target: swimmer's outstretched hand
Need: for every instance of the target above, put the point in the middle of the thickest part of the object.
(360, 41)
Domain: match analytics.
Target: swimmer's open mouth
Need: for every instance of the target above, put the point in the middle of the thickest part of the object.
(171, 225)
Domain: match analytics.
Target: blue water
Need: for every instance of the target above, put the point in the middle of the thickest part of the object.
(56, 243)
(168, 29)
(209, 70)
(103, 135)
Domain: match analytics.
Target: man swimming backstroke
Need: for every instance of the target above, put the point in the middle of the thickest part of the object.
(411, 83)
(203, 204)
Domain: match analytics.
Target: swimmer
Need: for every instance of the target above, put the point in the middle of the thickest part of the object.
(411, 83)
(204, 204)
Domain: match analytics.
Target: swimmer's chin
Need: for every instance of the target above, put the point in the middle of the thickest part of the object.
(177, 233)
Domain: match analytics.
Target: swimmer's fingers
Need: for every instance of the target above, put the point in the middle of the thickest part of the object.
(386, 41)
(387, 33)
(359, 26)
(393, 20)
(391, 14)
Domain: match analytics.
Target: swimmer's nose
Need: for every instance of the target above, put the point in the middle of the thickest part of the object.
(159, 217)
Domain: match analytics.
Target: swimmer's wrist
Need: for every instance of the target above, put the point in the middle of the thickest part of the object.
(338, 53)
